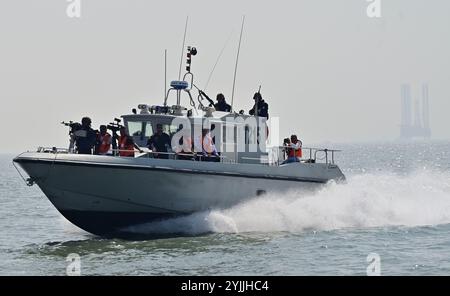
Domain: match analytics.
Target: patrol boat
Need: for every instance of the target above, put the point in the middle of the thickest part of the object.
(105, 194)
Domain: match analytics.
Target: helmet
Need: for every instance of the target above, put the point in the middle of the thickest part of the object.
(86, 121)
(257, 96)
(220, 97)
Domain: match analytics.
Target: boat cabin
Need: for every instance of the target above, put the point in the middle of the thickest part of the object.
(237, 137)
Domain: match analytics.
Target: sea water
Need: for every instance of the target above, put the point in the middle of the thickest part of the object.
(395, 205)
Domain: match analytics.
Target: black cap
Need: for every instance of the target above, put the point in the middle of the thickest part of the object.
(86, 121)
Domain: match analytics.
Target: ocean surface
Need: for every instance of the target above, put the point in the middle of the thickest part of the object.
(394, 206)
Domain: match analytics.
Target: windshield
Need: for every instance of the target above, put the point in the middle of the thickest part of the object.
(170, 129)
(140, 129)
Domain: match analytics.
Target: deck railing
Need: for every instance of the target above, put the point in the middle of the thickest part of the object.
(275, 156)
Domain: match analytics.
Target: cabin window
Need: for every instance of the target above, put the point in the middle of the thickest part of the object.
(247, 136)
(135, 128)
(148, 130)
(224, 134)
(140, 129)
(170, 129)
(229, 138)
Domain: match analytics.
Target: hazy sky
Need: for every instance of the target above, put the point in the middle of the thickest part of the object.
(327, 70)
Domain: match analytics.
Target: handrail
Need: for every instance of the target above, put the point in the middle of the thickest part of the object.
(307, 148)
(194, 155)
(312, 153)
(53, 150)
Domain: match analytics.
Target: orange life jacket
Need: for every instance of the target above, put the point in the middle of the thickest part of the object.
(295, 152)
(208, 145)
(187, 145)
(105, 144)
(126, 148)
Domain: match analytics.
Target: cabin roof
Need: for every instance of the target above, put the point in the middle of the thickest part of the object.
(216, 116)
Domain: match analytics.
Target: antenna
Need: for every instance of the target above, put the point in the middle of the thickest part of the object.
(217, 61)
(255, 109)
(182, 48)
(237, 61)
(165, 73)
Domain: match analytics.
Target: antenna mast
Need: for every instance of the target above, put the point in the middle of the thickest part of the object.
(237, 61)
(182, 48)
(217, 61)
(165, 73)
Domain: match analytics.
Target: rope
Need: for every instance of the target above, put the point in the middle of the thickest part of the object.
(27, 181)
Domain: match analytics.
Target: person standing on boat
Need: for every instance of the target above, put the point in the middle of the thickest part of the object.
(159, 142)
(184, 149)
(205, 145)
(260, 108)
(104, 141)
(126, 144)
(221, 104)
(294, 150)
(286, 149)
(85, 137)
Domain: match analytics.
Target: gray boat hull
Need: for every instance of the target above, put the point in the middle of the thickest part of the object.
(103, 194)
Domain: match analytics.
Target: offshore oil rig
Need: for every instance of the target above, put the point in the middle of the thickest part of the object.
(417, 127)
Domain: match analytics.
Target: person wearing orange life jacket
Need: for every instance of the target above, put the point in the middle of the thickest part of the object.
(126, 144)
(205, 145)
(104, 140)
(294, 150)
(184, 146)
(286, 149)
(186, 152)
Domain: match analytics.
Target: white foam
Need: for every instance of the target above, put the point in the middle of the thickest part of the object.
(369, 200)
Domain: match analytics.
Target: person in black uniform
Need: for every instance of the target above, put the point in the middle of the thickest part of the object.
(159, 142)
(85, 137)
(221, 104)
(260, 108)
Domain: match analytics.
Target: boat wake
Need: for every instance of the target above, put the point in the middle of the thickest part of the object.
(368, 200)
